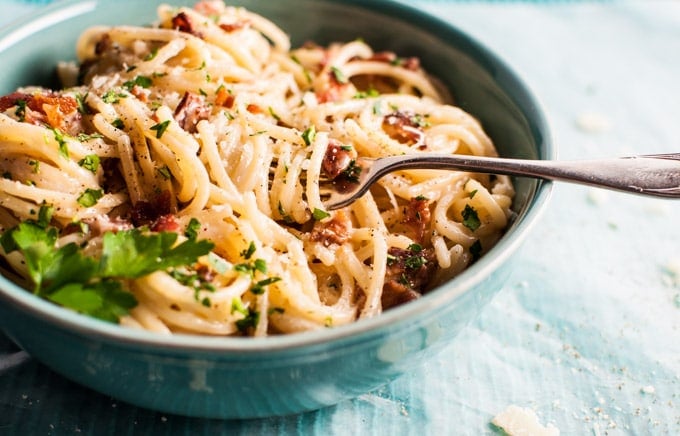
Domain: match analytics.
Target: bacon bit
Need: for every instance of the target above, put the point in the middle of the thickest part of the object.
(142, 94)
(103, 45)
(334, 92)
(233, 27)
(395, 294)
(59, 111)
(224, 98)
(405, 280)
(401, 125)
(190, 110)
(182, 23)
(205, 273)
(333, 231)
(254, 109)
(336, 159)
(166, 223)
(417, 216)
(145, 212)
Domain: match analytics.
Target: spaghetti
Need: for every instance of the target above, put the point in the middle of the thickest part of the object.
(208, 125)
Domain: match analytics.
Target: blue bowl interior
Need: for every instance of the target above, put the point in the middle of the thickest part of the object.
(480, 83)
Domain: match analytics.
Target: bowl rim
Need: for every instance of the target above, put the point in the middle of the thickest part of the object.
(360, 330)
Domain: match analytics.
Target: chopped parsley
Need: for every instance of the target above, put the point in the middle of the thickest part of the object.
(160, 128)
(164, 171)
(63, 145)
(112, 97)
(476, 250)
(320, 214)
(191, 231)
(35, 164)
(90, 162)
(141, 81)
(339, 76)
(470, 218)
(274, 114)
(118, 124)
(416, 259)
(371, 92)
(309, 134)
(254, 266)
(152, 54)
(20, 111)
(82, 107)
(82, 137)
(90, 197)
(352, 172)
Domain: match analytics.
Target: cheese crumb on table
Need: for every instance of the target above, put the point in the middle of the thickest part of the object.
(519, 421)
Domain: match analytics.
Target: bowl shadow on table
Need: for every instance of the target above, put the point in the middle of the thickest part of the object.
(40, 401)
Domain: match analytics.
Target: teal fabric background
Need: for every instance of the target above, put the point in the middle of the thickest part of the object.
(587, 331)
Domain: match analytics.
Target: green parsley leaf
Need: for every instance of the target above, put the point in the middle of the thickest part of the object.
(105, 300)
(274, 114)
(352, 172)
(192, 229)
(476, 250)
(160, 128)
(339, 76)
(470, 218)
(90, 197)
(63, 145)
(372, 92)
(320, 214)
(141, 81)
(20, 111)
(82, 137)
(152, 54)
(90, 162)
(132, 254)
(248, 252)
(112, 97)
(82, 107)
(164, 171)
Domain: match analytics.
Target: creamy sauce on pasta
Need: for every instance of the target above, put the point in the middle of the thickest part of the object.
(209, 121)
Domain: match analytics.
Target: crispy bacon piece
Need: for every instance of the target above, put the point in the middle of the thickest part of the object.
(408, 274)
(224, 98)
(182, 23)
(254, 109)
(165, 223)
(190, 110)
(417, 216)
(403, 126)
(336, 159)
(146, 212)
(334, 92)
(233, 27)
(59, 111)
(333, 231)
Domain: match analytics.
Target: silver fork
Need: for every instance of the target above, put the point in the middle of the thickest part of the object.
(656, 175)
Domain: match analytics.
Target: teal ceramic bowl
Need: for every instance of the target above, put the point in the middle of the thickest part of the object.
(241, 377)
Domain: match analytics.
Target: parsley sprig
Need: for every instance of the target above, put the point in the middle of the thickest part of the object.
(93, 286)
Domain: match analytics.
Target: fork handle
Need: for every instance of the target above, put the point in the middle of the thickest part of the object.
(656, 175)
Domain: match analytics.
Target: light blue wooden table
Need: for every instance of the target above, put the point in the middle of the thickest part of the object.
(587, 331)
